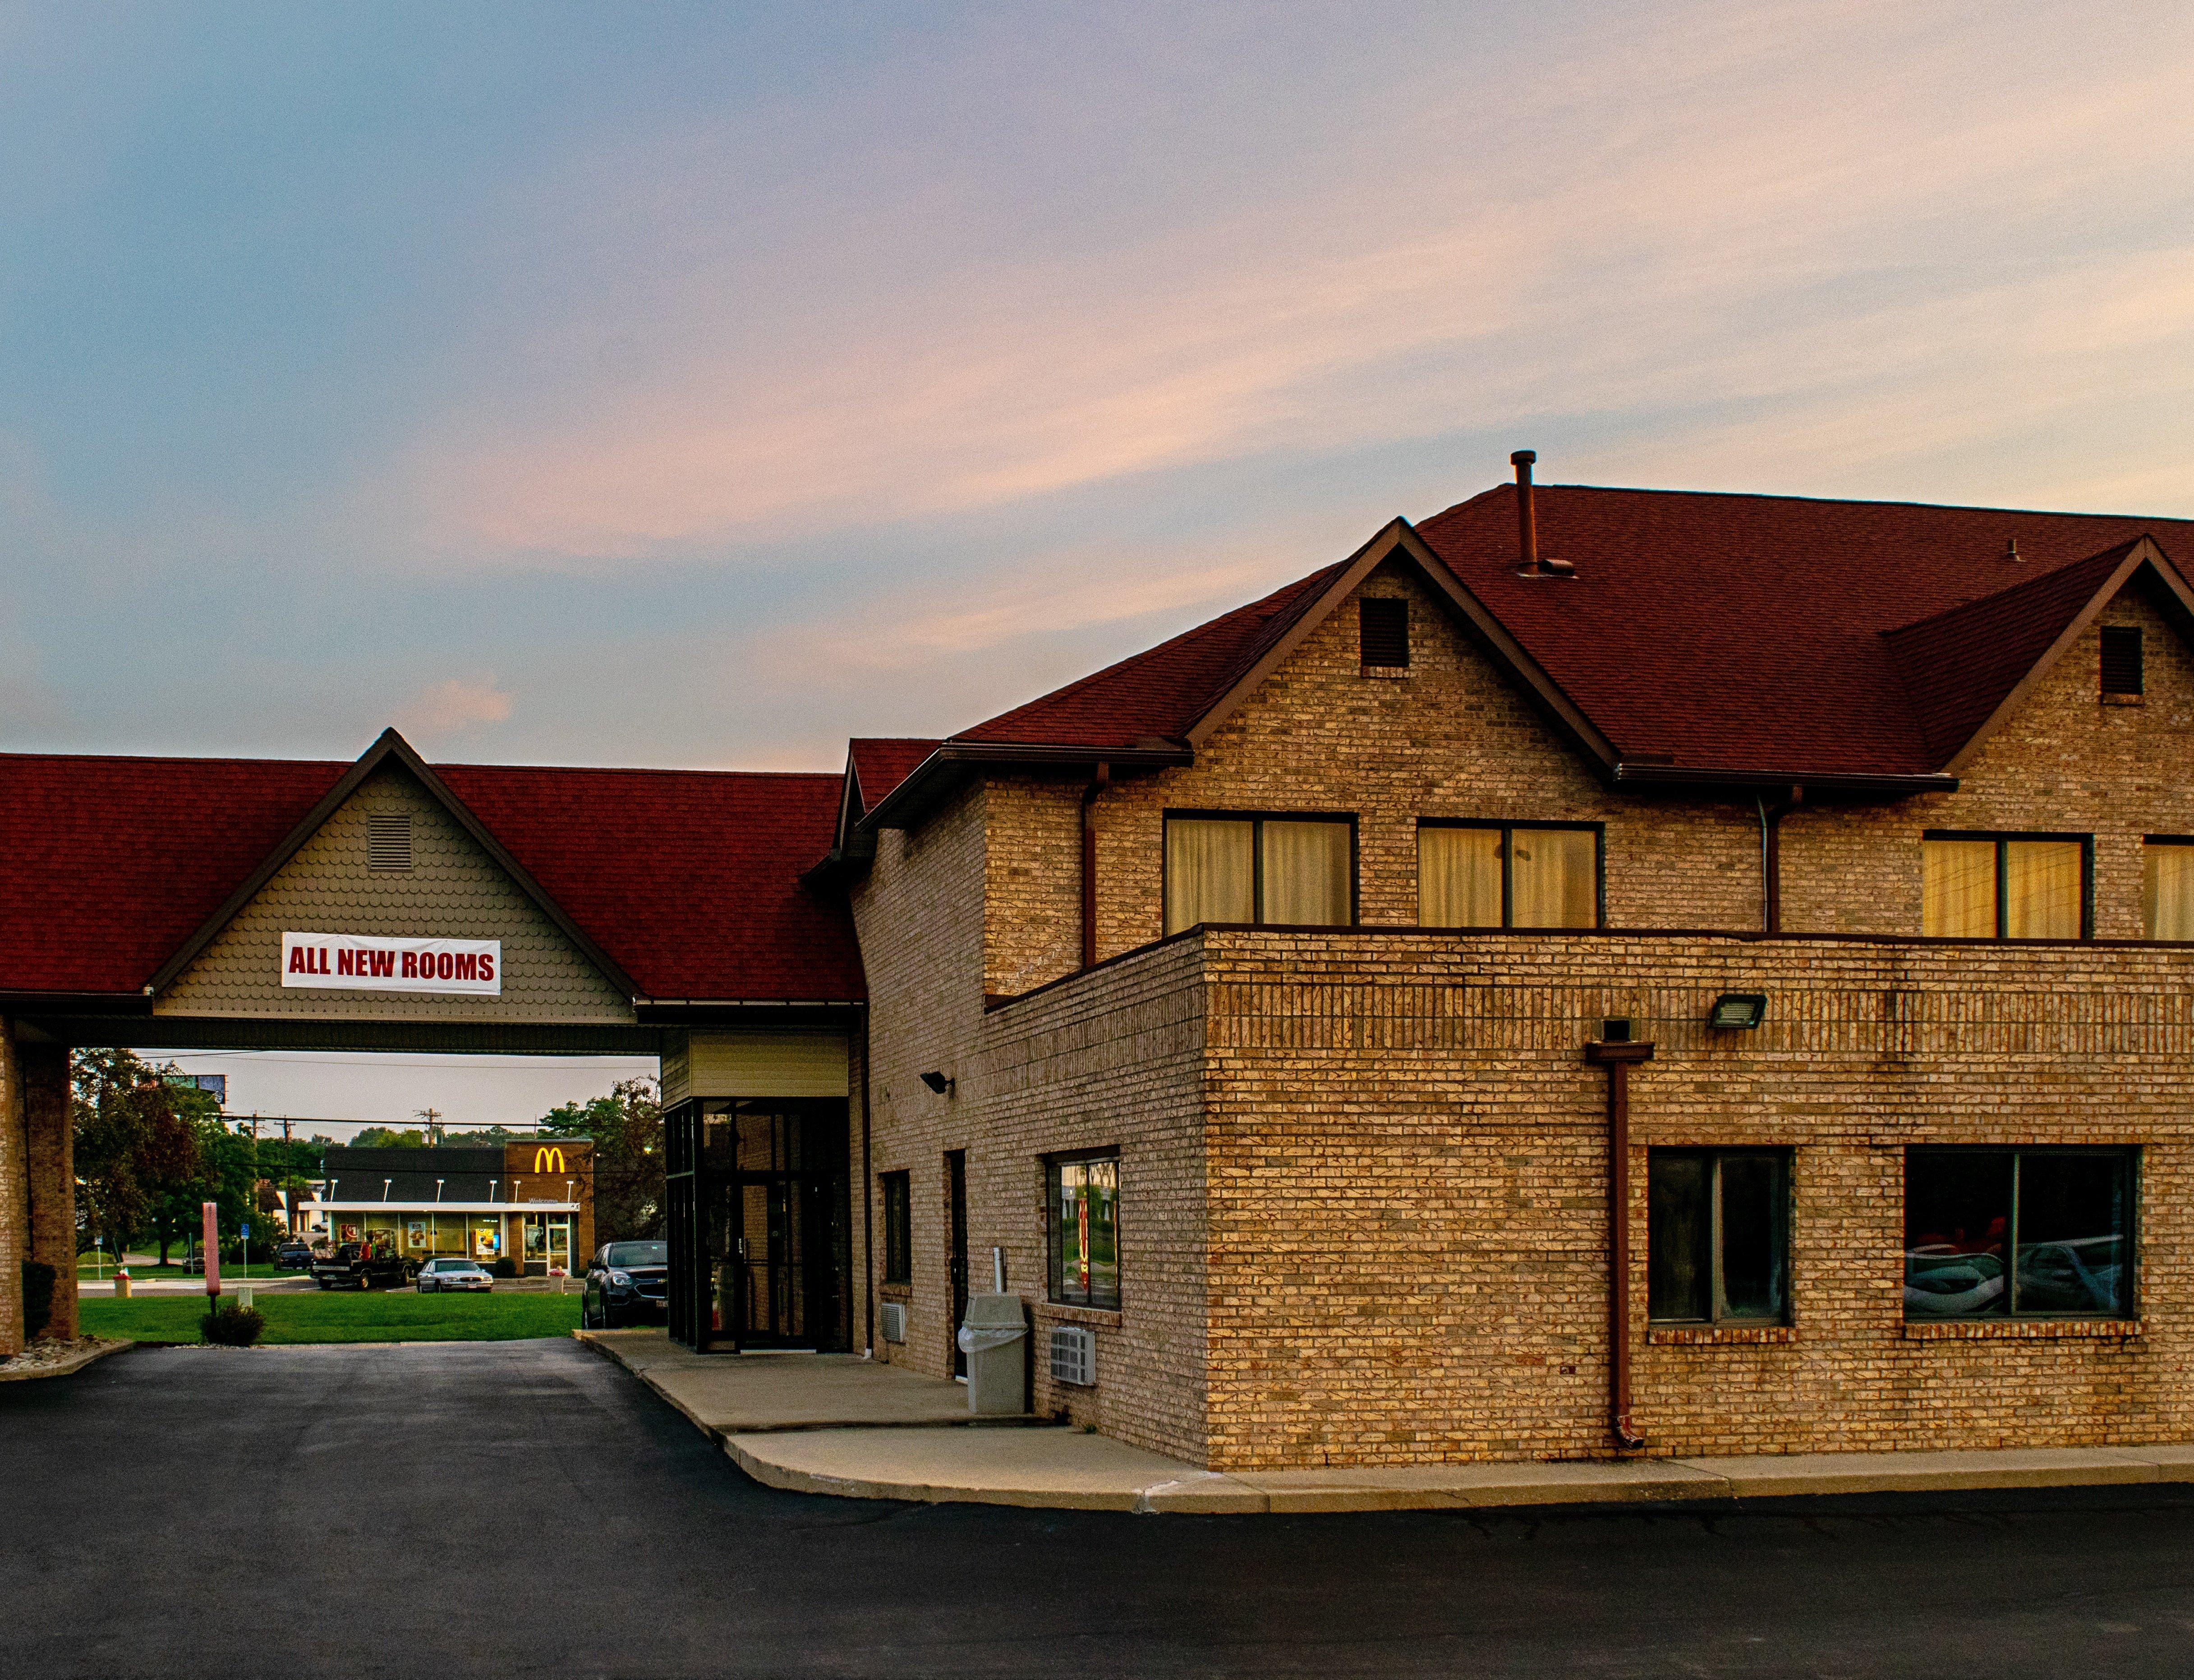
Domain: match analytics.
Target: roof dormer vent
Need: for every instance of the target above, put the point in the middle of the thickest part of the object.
(1529, 561)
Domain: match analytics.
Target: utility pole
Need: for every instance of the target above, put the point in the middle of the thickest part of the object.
(433, 1120)
(289, 1179)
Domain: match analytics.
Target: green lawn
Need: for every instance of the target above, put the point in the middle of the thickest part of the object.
(374, 1315)
(147, 1269)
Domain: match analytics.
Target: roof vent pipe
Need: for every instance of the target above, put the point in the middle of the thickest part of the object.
(1527, 518)
(1529, 563)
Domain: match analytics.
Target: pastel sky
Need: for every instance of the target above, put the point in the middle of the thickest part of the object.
(700, 384)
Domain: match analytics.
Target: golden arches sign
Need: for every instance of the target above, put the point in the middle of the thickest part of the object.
(547, 1161)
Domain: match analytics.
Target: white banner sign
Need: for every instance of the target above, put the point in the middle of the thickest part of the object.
(470, 968)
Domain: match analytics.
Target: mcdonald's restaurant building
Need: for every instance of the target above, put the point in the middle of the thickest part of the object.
(530, 1204)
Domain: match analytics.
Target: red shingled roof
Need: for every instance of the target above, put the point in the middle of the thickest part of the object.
(688, 879)
(881, 762)
(1749, 635)
(1156, 696)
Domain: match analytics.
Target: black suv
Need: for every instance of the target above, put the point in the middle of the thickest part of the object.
(625, 1281)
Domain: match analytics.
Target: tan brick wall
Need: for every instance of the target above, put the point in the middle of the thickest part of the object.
(1114, 1060)
(1453, 738)
(1408, 1180)
(14, 1194)
(2065, 762)
(50, 1149)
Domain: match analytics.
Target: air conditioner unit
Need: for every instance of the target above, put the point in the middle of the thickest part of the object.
(1074, 1355)
(894, 1317)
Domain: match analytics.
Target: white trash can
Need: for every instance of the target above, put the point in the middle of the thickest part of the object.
(995, 1338)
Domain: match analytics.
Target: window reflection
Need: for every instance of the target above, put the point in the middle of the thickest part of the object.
(1993, 1232)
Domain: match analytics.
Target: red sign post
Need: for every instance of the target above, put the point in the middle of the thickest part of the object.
(212, 1252)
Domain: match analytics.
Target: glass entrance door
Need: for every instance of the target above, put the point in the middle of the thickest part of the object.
(774, 1189)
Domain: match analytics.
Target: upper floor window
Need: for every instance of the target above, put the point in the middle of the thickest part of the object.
(2005, 886)
(1507, 875)
(2167, 886)
(1290, 870)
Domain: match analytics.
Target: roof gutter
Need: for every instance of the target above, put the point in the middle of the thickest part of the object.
(945, 769)
(1671, 775)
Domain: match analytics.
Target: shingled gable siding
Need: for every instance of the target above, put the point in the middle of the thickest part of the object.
(1453, 738)
(2065, 761)
(1405, 1155)
(1112, 1059)
(454, 890)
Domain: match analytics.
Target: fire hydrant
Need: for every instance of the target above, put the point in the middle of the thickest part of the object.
(121, 1283)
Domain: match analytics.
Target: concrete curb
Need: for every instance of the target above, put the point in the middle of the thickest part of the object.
(948, 1463)
(66, 1367)
(859, 1466)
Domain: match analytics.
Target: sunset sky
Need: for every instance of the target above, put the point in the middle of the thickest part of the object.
(698, 385)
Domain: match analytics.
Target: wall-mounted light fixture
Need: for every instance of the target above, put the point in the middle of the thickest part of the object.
(937, 1083)
(1737, 1011)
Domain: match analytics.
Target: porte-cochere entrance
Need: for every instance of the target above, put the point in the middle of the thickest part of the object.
(389, 905)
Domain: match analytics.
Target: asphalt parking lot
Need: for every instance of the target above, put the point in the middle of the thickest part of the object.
(484, 1509)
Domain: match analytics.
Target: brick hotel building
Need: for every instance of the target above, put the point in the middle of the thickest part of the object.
(1595, 971)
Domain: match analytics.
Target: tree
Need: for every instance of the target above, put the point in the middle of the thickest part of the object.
(627, 1128)
(139, 1149)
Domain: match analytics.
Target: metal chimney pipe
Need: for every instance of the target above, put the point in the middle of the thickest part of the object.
(1527, 519)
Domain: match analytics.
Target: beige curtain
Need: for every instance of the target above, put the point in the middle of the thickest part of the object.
(2041, 890)
(1307, 874)
(1458, 878)
(1957, 884)
(1552, 881)
(2168, 892)
(1209, 875)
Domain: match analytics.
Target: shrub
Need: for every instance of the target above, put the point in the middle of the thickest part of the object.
(232, 1325)
(39, 1280)
(502, 1268)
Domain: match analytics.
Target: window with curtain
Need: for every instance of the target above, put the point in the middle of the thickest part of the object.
(1286, 870)
(1511, 875)
(2166, 888)
(2004, 886)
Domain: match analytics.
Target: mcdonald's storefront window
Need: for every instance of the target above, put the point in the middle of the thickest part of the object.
(520, 1209)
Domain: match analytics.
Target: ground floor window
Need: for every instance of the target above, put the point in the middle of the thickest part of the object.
(1718, 1236)
(2042, 1233)
(1084, 1204)
(548, 1241)
(899, 1228)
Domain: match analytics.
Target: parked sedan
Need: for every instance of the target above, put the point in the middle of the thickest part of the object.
(192, 1265)
(626, 1281)
(294, 1255)
(451, 1273)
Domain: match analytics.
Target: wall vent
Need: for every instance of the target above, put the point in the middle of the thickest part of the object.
(2121, 659)
(389, 843)
(893, 1314)
(1074, 1355)
(1384, 624)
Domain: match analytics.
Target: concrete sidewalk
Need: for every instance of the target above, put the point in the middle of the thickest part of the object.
(842, 1425)
(748, 1394)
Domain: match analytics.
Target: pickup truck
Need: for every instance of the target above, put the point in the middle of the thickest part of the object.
(354, 1266)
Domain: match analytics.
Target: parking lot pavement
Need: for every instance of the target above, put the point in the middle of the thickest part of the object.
(470, 1508)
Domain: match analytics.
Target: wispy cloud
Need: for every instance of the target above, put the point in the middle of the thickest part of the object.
(454, 706)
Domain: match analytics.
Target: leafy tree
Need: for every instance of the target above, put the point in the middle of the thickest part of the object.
(627, 1128)
(139, 1145)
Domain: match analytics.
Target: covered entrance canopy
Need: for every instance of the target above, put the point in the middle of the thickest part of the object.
(389, 905)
